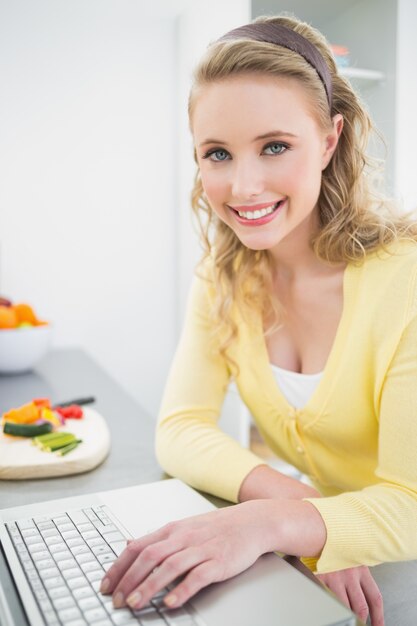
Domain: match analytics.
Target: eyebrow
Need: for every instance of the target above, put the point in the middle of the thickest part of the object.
(268, 135)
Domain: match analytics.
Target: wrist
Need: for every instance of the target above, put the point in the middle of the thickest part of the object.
(265, 482)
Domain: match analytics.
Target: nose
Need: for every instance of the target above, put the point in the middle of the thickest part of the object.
(247, 179)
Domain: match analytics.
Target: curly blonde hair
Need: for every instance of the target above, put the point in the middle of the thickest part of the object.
(355, 218)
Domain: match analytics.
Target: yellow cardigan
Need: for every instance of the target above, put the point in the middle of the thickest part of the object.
(356, 438)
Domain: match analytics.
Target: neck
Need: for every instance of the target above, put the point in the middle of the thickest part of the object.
(294, 256)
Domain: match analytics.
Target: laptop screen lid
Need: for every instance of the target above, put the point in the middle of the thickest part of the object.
(270, 592)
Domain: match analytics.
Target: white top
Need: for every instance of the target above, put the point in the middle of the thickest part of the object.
(296, 388)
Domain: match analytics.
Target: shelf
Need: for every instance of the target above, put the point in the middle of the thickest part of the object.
(357, 73)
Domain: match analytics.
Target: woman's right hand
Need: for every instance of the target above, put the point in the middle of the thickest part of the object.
(356, 588)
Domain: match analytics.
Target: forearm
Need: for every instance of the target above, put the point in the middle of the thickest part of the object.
(291, 526)
(265, 482)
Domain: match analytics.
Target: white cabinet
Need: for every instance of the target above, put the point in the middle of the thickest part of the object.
(380, 35)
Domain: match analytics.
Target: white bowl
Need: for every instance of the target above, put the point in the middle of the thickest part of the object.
(22, 348)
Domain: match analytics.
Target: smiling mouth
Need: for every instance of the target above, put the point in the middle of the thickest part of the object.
(259, 213)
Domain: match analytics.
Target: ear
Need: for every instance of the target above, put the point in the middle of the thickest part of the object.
(331, 139)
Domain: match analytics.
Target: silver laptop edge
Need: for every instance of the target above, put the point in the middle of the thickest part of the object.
(262, 574)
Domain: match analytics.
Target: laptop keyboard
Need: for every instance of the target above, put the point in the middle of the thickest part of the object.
(65, 557)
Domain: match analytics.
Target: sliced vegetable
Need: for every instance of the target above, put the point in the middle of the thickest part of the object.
(26, 430)
(25, 414)
(69, 447)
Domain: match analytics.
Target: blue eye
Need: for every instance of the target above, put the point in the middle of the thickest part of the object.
(276, 148)
(217, 155)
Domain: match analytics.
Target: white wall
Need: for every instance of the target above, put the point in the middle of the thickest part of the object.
(406, 139)
(94, 156)
(87, 194)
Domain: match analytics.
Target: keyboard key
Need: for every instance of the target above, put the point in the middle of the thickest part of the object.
(50, 532)
(178, 617)
(92, 615)
(78, 517)
(44, 563)
(53, 539)
(84, 527)
(96, 575)
(30, 532)
(42, 554)
(58, 547)
(58, 592)
(83, 592)
(101, 549)
(64, 527)
(60, 555)
(111, 537)
(72, 572)
(80, 550)
(62, 519)
(49, 572)
(152, 620)
(80, 581)
(85, 557)
(55, 581)
(46, 525)
(77, 622)
(109, 528)
(25, 523)
(51, 618)
(65, 602)
(76, 541)
(90, 566)
(65, 564)
(96, 541)
(109, 557)
(36, 547)
(118, 547)
(70, 534)
(123, 616)
(91, 602)
(67, 615)
(41, 594)
(90, 534)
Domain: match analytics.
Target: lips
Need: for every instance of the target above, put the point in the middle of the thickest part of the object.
(257, 214)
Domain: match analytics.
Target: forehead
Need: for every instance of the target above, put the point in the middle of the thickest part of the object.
(251, 104)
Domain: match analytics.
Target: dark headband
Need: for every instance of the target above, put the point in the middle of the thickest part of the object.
(288, 38)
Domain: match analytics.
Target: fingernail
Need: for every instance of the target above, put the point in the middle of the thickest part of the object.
(171, 599)
(118, 600)
(134, 599)
(105, 585)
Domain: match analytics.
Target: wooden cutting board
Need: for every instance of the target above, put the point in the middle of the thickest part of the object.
(20, 459)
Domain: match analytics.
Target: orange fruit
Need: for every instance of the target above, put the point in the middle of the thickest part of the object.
(24, 313)
(8, 317)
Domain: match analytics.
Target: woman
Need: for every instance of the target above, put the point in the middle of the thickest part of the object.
(307, 296)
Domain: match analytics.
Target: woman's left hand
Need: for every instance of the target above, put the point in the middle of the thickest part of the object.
(206, 548)
(356, 588)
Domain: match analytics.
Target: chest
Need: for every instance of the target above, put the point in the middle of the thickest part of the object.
(311, 314)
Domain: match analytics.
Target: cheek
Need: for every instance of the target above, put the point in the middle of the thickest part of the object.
(214, 185)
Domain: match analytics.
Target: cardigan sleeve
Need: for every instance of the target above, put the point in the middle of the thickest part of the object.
(189, 443)
(378, 523)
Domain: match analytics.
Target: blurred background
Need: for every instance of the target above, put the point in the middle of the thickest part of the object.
(96, 160)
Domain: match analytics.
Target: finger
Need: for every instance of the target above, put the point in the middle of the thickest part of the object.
(337, 588)
(172, 568)
(143, 564)
(358, 601)
(126, 558)
(201, 576)
(374, 599)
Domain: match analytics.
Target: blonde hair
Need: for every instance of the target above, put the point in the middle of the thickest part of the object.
(355, 218)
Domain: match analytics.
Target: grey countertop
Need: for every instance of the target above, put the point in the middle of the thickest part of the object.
(70, 373)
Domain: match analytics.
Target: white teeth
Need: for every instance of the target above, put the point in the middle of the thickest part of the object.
(255, 215)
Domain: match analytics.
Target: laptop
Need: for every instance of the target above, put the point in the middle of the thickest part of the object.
(55, 553)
